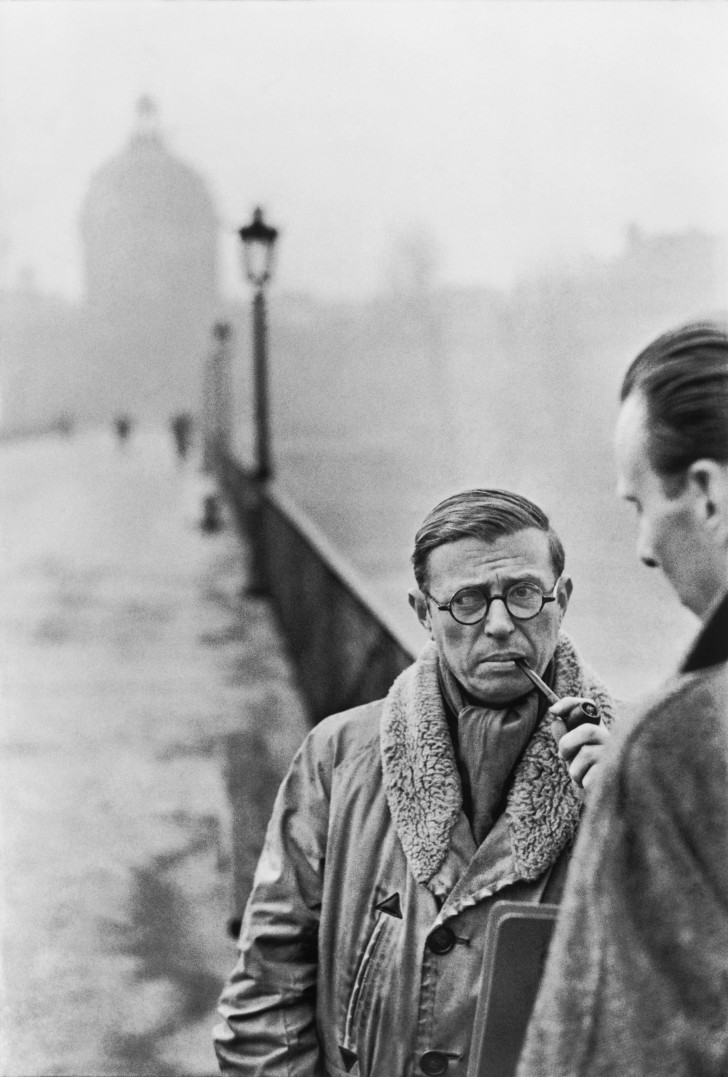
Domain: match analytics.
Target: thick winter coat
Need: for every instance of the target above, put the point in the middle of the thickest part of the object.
(362, 942)
(637, 978)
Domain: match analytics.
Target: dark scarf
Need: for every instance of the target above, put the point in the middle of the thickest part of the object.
(488, 742)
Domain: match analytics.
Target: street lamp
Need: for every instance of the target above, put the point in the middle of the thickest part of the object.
(258, 245)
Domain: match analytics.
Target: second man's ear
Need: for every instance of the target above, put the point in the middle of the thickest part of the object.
(709, 480)
(419, 604)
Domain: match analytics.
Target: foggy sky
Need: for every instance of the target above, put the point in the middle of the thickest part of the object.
(514, 134)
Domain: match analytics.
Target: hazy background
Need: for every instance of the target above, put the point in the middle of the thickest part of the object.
(518, 134)
(485, 209)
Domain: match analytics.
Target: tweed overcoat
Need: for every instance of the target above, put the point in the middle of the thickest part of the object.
(637, 978)
(362, 942)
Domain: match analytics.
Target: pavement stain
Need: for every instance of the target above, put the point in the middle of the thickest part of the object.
(170, 970)
(202, 745)
(100, 600)
(125, 624)
(246, 669)
(251, 780)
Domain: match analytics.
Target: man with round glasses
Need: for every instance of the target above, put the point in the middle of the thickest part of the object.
(401, 823)
(497, 569)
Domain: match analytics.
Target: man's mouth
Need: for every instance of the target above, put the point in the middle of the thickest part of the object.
(502, 659)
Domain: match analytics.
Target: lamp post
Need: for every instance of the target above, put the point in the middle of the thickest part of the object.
(258, 240)
(258, 245)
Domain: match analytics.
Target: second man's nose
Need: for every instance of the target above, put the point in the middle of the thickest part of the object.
(645, 552)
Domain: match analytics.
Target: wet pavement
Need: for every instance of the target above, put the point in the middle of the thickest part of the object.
(148, 714)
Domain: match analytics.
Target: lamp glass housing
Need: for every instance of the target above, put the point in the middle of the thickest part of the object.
(258, 245)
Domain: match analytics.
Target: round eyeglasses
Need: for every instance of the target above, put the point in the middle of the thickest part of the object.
(471, 604)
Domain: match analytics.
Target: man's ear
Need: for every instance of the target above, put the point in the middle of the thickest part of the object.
(708, 481)
(563, 594)
(419, 604)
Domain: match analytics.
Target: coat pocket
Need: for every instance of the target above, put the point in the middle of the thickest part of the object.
(357, 991)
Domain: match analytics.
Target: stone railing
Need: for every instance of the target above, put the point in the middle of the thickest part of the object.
(345, 650)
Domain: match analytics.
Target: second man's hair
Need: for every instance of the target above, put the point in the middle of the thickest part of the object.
(683, 378)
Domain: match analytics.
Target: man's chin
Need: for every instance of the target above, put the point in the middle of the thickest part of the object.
(499, 685)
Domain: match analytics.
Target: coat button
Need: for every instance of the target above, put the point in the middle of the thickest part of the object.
(441, 940)
(433, 1063)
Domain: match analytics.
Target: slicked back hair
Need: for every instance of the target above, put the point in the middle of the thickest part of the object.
(683, 379)
(482, 514)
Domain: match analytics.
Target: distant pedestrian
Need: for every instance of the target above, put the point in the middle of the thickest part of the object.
(122, 425)
(181, 425)
(636, 983)
(64, 424)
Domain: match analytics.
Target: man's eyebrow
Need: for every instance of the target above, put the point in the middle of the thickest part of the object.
(527, 576)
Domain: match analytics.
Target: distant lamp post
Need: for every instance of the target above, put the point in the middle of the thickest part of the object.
(259, 241)
(258, 245)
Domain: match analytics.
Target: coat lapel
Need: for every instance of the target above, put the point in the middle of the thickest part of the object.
(711, 646)
(420, 775)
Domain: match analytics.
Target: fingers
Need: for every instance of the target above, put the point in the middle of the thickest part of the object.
(576, 740)
(558, 729)
(584, 762)
(590, 777)
(565, 706)
(582, 749)
(575, 711)
(560, 712)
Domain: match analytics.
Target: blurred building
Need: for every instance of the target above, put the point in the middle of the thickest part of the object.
(149, 234)
(139, 340)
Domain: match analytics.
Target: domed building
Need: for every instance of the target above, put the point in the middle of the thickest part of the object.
(149, 234)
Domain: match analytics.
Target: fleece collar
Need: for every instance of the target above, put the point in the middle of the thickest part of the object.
(422, 783)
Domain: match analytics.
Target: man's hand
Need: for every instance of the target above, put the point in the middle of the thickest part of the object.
(582, 748)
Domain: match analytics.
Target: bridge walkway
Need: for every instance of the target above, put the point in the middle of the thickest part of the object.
(148, 714)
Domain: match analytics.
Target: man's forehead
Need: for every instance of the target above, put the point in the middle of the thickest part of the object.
(520, 552)
(633, 470)
(631, 433)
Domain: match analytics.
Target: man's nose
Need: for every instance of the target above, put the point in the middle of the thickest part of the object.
(497, 620)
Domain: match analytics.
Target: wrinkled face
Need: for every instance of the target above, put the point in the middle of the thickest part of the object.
(481, 655)
(669, 532)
